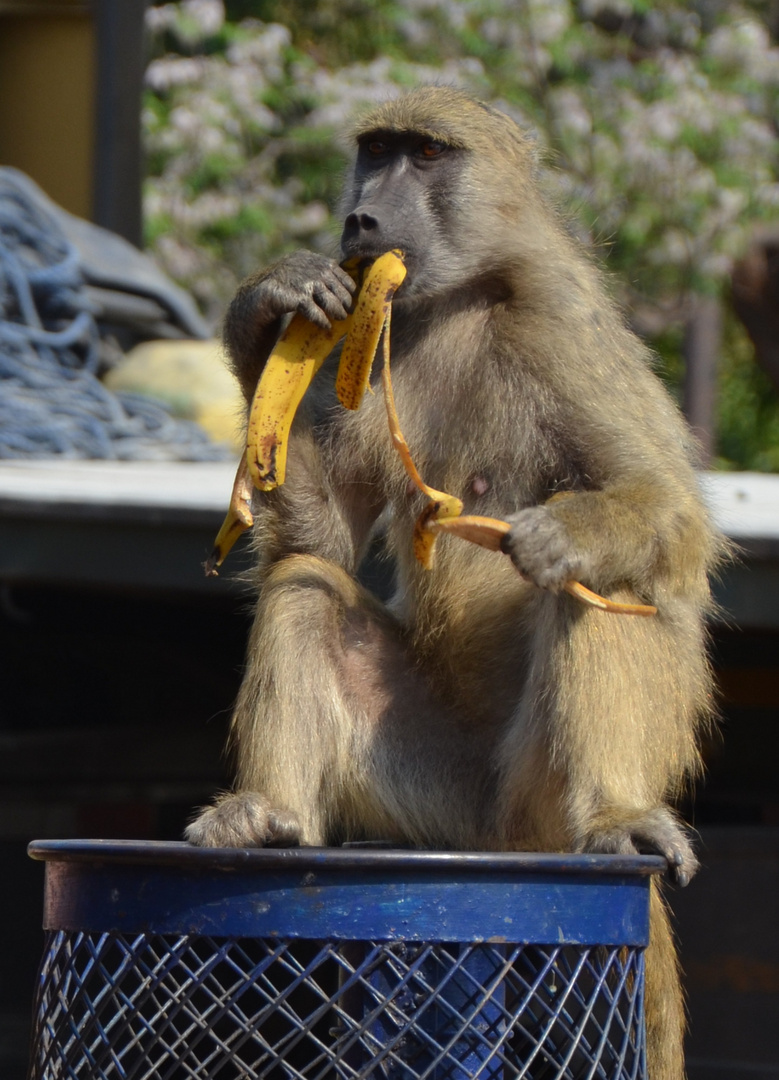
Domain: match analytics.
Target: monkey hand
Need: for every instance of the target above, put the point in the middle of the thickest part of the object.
(243, 819)
(651, 832)
(542, 550)
(303, 282)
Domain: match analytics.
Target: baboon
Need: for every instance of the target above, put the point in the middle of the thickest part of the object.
(480, 708)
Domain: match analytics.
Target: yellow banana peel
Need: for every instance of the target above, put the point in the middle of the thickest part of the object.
(443, 514)
(489, 532)
(300, 352)
(297, 356)
(239, 518)
(368, 319)
(441, 506)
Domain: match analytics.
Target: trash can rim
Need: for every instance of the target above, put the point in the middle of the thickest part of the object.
(358, 859)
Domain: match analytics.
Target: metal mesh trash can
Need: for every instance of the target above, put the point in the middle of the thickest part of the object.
(168, 962)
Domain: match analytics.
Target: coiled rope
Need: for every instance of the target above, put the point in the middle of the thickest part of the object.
(51, 400)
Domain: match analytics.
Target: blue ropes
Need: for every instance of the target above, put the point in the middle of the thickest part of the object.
(51, 399)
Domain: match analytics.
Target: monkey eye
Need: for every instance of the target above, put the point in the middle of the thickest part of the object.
(376, 147)
(432, 148)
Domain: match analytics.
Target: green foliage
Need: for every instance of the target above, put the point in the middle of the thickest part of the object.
(748, 415)
(660, 118)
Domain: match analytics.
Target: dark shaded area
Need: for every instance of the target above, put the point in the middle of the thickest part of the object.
(755, 298)
(726, 919)
(115, 708)
(726, 922)
(117, 166)
(740, 785)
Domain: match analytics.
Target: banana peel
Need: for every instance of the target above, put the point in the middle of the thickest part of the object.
(444, 513)
(441, 506)
(299, 353)
(369, 319)
(296, 358)
(489, 533)
(239, 518)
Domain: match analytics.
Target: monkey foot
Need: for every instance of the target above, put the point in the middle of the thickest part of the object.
(653, 832)
(243, 819)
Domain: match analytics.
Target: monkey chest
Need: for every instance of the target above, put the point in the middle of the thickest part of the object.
(496, 455)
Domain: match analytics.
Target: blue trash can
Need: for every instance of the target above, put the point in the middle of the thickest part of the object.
(170, 962)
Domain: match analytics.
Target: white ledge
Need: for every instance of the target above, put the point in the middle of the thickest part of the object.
(149, 484)
(744, 505)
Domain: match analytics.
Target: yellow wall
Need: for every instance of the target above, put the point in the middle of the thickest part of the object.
(47, 72)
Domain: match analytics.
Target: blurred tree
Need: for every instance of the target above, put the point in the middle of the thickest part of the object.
(659, 119)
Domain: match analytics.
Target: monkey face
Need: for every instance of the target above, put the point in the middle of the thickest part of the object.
(404, 195)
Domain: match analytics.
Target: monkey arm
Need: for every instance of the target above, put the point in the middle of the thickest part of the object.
(637, 518)
(318, 511)
(304, 282)
(641, 535)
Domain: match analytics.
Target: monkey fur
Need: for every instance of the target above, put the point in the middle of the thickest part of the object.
(479, 709)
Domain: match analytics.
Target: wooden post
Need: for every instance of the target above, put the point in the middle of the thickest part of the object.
(702, 345)
(117, 163)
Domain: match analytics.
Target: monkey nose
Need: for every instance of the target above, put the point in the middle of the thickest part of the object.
(360, 222)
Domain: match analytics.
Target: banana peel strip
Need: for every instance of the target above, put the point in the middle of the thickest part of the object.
(442, 507)
(239, 518)
(297, 356)
(444, 514)
(489, 532)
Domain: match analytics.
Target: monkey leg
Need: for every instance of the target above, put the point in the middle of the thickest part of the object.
(336, 733)
(607, 717)
(605, 732)
(614, 703)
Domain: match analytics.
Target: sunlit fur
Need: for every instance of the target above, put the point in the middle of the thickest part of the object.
(478, 710)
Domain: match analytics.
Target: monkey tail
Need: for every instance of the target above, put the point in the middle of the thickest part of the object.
(665, 1011)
